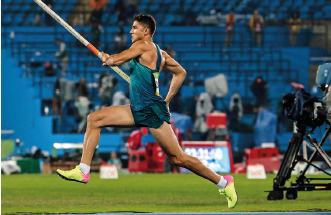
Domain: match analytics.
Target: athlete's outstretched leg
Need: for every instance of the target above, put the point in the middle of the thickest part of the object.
(117, 116)
(169, 144)
(112, 116)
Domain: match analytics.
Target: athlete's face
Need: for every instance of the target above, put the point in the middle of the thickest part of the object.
(138, 31)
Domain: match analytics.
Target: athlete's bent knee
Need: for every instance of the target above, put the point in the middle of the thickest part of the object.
(91, 120)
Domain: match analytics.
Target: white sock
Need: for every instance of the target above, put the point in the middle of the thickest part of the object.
(84, 168)
(222, 184)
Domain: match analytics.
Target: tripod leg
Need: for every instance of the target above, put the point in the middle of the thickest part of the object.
(286, 167)
(301, 177)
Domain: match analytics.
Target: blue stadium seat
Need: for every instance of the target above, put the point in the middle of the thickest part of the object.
(142, 7)
(310, 2)
(145, 1)
(208, 7)
(281, 16)
(57, 7)
(154, 7)
(318, 15)
(219, 5)
(227, 9)
(25, 7)
(327, 15)
(4, 7)
(274, 4)
(71, 1)
(304, 15)
(187, 91)
(187, 6)
(65, 16)
(197, 7)
(265, 3)
(174, 7)
(288, 3)
(69, 7)
(238, 9)
(297, 3)
(15, 7)
(18, 18)
(283, 8)
(159, 17)
(200, 89)
(113, 18)
(320, 2)
(304, 9)
(29, 19)
(169, 18)
(327, 9)
(7, 19)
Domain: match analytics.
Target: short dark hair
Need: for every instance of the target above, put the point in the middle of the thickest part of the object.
(147, 21)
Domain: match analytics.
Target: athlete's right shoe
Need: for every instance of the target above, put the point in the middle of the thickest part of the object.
(230, 192)
(74, 175)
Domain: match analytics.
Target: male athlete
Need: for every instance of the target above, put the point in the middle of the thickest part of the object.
(147, 109)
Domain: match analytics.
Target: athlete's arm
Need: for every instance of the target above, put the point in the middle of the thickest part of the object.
(179, 75)
(137, 49)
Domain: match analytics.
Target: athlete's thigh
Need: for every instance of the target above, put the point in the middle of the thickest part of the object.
(167, 140)
(116, 116)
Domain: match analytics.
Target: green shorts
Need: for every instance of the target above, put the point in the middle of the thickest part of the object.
(152, 115)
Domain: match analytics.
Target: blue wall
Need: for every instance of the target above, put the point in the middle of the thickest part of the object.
(21, 113)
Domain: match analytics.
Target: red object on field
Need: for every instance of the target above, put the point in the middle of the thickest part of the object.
(155, 157)
(239, 168)
(150, 159)
(138, 161)
(216, 120)
(268, 157)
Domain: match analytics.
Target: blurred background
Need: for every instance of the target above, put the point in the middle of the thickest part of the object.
(241, 58)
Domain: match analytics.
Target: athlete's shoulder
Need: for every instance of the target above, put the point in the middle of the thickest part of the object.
(142, 45)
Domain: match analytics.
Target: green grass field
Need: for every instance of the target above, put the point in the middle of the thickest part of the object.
(32, 193)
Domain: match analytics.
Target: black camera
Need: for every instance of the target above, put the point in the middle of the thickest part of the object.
(306, 111)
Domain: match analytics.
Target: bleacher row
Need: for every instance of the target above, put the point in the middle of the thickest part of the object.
(22, 12)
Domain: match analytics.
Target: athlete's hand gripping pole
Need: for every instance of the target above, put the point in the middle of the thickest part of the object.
(79, 37)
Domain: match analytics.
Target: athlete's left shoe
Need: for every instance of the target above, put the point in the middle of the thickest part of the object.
(230, 192)
(74, 175)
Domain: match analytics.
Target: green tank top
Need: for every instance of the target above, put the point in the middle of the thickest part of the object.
(144, 83)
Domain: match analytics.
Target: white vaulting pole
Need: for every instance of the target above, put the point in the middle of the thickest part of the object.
(79, 37)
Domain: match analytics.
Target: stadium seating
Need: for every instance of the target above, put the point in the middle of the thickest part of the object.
(171, 8)
(206, 64)
(199, 49)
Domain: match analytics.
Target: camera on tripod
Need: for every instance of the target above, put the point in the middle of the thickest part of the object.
(307, 112)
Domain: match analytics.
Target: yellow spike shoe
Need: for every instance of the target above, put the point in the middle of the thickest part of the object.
(74, 175)
(230, 192)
